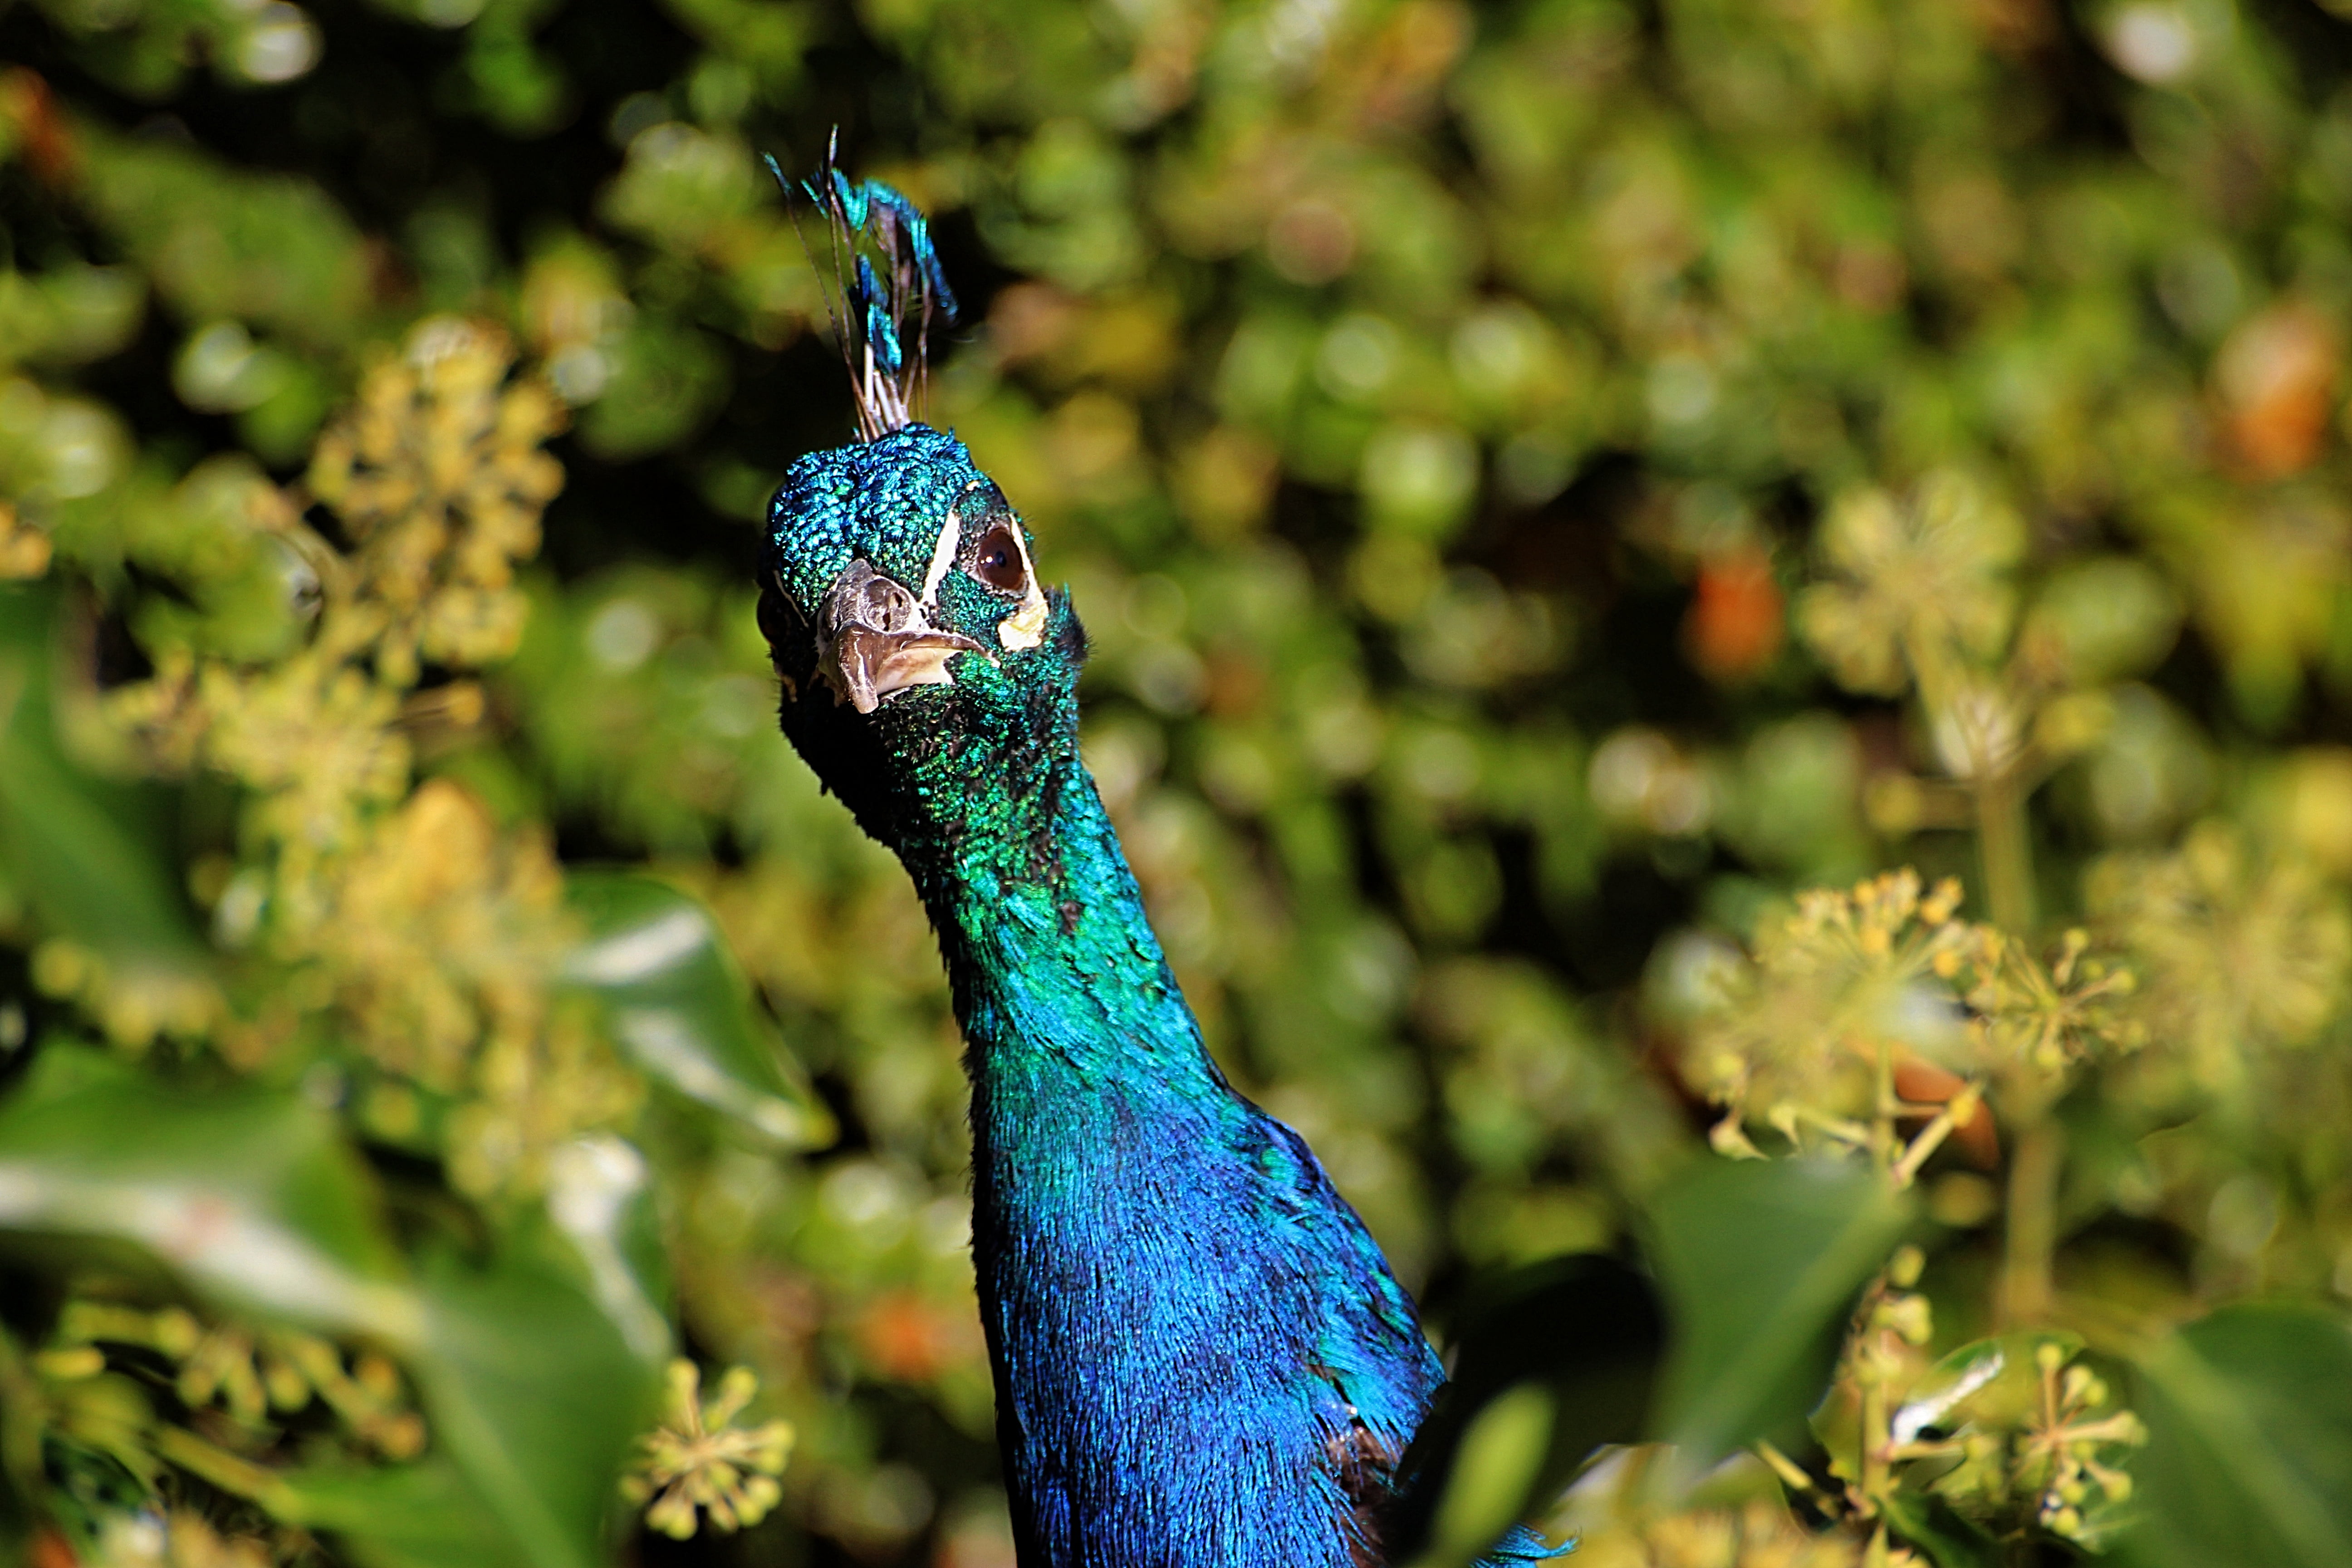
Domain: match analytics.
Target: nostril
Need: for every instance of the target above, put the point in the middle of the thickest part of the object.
(884, 606)
(864, 599)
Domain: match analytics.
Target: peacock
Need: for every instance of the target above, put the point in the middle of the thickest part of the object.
(1201, 1357)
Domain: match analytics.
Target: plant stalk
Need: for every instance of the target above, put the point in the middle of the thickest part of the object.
(1874, 1437)
(2023, 1296)
(1883, 1144)
(2005, 851)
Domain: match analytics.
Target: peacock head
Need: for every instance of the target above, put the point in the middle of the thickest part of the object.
(902, 608)
(925, 671)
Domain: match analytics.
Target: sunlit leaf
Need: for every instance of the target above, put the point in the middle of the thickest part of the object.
(251, 1196)
(600, 1195)
(1760, 1261)
(681, 1008)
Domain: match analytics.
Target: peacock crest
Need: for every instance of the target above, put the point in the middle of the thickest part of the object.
(888, 286)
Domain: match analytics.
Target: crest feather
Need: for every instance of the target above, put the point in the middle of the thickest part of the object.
(889, 284)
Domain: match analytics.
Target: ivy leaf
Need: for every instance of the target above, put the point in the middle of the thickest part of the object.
(681, 1008)
(1575, 1339)
(250, 1196)
(600, 1195)
(532, 1395)
(537, 1395)
(1496, 1461)
(86, 853)
(532, 1390)
(2249, 1459)
(1760, 1261)
(1949, 1540)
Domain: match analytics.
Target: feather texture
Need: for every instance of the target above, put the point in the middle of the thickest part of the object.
(878, 308)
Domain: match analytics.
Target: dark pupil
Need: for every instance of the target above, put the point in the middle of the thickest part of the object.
(998, 564)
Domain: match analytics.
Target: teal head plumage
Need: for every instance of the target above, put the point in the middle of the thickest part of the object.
(925, 671)
(1200, 1359)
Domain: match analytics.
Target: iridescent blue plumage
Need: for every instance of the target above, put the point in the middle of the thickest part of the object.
(1200, 1359)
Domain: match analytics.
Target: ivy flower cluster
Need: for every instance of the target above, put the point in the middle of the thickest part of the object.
(2046, 1018)
(2062, 1463)
(2248, 952)
(1914, 588)
(1805, 1035)
(1868, 1011)
(2014, 1434)
(438, 477)
(258, 1379)
(435, 936)
(698, 1463)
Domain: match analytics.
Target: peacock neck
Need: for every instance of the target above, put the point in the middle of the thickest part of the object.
(1055, 972)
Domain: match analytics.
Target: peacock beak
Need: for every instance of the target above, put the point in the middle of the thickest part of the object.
(875, 641)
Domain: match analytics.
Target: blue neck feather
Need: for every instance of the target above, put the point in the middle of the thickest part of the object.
(1200, 1358)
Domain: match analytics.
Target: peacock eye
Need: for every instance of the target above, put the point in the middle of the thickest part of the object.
(997, 562)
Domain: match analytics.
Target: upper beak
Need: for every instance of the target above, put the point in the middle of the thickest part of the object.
(875, 641)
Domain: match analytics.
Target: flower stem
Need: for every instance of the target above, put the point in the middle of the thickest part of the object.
(2023, 1296)
(2005, 851)
(1883, 1144)
(1876, 1444)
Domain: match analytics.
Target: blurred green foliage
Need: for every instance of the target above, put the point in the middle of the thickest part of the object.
(1548, 483)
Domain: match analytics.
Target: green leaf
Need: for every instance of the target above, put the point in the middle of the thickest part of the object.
(1949, 1540)
(600, 1195)
(251, 1196)
(1760, 1261)
(528, 1386)
(534, 1399)
(532, 1396)
(1585, 1330)
(424, 1515)
(535, 1392)
(1501, 1451)
(681, 1008)
(87, 852)
(2249, 1459)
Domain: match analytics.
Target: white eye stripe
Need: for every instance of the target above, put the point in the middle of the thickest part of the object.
(944, 556)
(1024, 627)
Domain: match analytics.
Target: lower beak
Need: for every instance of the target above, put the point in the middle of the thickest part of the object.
(866, 666)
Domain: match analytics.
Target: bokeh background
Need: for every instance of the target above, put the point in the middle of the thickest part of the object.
(1546, 481)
